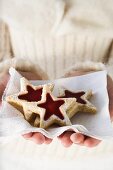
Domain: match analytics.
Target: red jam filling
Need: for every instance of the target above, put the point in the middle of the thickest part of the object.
(32, 95)
(51, 107)
(75, 95)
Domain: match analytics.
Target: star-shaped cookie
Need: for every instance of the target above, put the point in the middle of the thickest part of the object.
(40, 107)
(52, 110)
(81, 98)
(28, 95)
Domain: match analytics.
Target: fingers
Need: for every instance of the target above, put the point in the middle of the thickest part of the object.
(77, 138)
(80, 139)
(69, 138)
(48, 140)
(38, 138)
(65, 139)
(28, 135)
(91, 142)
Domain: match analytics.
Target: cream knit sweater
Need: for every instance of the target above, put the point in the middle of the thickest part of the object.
(57, 34)
(50, 38)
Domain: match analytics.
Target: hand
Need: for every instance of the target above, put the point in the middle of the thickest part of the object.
(37, 137)
(69, 138)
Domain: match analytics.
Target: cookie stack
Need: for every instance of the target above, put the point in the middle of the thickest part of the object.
(42, 109)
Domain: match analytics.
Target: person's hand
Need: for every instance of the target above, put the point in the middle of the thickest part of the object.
(69, 138)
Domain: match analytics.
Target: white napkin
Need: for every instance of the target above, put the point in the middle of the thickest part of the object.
(12, 122)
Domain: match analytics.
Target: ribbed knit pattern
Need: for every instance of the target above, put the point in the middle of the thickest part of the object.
(55, 55)
(5, 42)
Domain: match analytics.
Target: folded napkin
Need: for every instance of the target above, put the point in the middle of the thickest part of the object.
(98, 125)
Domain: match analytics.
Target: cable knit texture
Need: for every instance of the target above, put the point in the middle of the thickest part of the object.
(56, 37)
(51, 42)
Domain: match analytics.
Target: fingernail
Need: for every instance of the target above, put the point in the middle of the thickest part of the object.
(74, 139)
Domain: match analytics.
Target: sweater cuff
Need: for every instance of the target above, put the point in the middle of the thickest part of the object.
(85, 66)
(22, 65)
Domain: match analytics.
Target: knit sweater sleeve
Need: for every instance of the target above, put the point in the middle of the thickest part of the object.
(90, 66)
(7, 59)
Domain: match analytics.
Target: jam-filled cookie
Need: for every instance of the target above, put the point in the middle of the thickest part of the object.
(40, 107)
(82, 97)
(29, 95)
